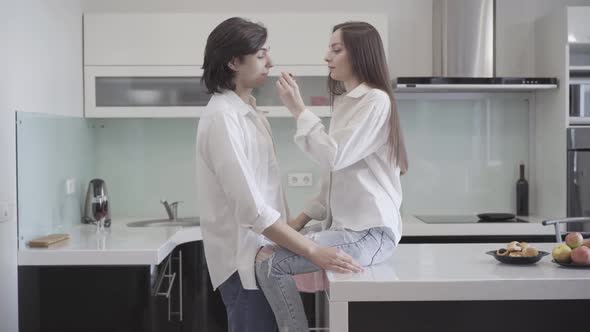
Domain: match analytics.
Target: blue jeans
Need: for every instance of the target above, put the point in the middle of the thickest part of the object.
(367, 247)
(247, 310)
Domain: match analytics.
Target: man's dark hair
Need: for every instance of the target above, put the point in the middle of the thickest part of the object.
(232, 38)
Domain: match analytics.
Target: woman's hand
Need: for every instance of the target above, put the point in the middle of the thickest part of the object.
(289, 93)
(333, 259)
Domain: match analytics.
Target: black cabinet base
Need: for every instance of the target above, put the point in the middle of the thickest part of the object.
(469, 316)
(119, 299)
(91, 299)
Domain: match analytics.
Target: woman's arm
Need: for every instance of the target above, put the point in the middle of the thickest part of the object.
(366, 132)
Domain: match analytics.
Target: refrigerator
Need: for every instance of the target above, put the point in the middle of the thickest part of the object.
(578, 176)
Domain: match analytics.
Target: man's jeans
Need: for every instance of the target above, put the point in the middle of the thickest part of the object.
(247, 310)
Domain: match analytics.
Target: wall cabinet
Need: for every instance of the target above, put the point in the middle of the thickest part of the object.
(149, 65)
(176, 91)
(578, 24)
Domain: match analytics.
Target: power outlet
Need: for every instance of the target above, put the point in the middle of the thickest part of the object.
(300, 179)
(4, 212)
(70, 186)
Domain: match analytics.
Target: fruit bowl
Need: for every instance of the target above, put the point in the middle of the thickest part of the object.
(517, 260)
(572, 265)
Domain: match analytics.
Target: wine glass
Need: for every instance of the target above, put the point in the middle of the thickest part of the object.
(99, 212)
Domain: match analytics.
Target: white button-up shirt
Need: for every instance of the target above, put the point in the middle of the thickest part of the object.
(239, 187)
(360, 183)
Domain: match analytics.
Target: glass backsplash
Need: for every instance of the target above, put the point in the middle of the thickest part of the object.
(50, 150)
(464, 156)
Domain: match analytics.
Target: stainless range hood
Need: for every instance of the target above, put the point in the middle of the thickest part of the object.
(463, 48)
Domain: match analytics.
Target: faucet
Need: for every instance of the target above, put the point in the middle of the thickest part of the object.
(171, 209)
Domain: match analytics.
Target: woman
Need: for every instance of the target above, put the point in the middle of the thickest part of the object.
(362, 158)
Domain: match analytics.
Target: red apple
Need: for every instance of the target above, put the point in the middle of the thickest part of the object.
(581, 255)
(587, 243)
(562, 253)
(574, 239)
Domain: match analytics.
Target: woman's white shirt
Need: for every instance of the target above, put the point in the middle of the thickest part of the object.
(360, 184)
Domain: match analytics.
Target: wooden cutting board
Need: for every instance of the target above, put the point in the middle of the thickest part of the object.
(47, 240)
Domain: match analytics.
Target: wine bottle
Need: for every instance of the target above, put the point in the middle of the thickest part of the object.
(522, 194)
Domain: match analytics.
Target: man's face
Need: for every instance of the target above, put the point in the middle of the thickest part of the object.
(252, 71)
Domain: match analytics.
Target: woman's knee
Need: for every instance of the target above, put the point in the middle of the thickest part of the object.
(267, 264)
(263, 262)
(265, 253)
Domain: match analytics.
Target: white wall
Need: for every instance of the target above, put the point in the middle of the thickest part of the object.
(40, 71)
(515, 35)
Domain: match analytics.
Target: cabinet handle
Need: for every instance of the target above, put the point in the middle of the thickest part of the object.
(179, 312)
(171, 277)
(166, 272)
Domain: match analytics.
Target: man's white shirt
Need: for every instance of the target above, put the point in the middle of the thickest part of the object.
(239, 187)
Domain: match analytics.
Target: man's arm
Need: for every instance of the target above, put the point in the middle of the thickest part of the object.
(327, 258)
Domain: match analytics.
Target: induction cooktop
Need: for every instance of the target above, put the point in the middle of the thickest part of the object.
(463, 219)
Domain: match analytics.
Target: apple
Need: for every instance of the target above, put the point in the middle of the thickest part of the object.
(587, 243)
(581, 255)
(562, 253)
(574, 240)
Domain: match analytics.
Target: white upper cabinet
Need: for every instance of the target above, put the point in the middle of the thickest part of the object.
(578, 24)
(302, 39)
(146, 39)
(179, 39)
(149, 64)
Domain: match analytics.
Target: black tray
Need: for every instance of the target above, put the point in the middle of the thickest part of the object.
(495, 216)
(517, 260)
(572, 265)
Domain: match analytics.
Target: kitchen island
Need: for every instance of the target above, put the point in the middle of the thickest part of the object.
(450, 287)
(127, 259)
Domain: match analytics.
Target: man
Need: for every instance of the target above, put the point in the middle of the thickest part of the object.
(241, 200)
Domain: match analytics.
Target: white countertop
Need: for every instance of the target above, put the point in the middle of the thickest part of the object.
(119, 245)
(413, 226)
(437, 272)
(122, 245)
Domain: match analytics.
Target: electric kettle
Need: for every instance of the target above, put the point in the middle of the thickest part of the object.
(97, 203)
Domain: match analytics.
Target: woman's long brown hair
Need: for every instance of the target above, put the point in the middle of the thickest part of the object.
(367, 58)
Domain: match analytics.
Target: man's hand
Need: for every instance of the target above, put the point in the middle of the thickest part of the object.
(333, 259)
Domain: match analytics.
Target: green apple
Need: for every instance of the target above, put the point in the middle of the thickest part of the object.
(562, 253)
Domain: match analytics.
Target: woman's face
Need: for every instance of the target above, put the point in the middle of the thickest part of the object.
(337, 58)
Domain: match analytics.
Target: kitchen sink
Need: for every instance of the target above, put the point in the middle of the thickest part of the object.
(180, 222)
